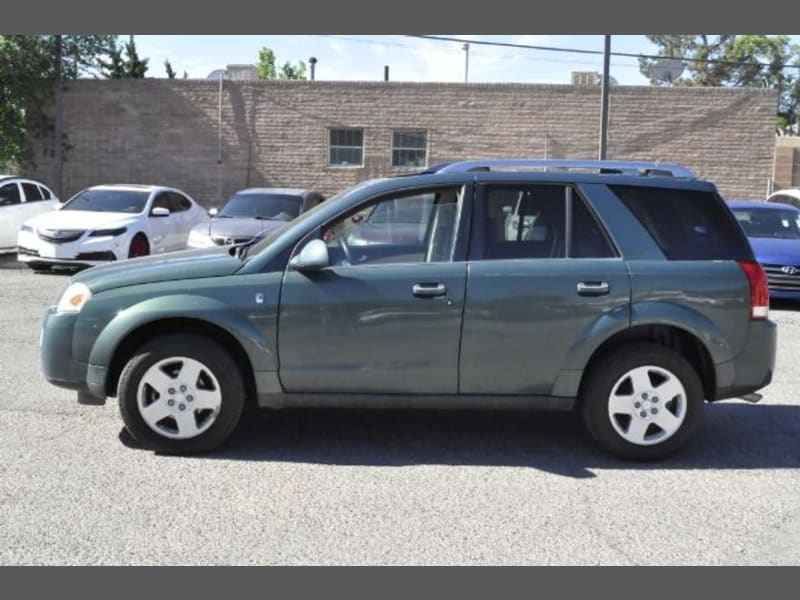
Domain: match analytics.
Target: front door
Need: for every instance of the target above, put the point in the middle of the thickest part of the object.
(385, 316)
(163, 229)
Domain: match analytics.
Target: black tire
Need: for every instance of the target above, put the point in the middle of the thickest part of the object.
(598, 386)
(215, 359)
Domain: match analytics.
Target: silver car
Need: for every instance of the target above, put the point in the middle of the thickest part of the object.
(251, 214)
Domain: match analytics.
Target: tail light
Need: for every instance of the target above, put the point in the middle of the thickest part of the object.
(759, 290)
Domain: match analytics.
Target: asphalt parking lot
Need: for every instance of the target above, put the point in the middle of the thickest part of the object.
(354, 487)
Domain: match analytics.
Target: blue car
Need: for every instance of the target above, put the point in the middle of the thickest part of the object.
(774, 233)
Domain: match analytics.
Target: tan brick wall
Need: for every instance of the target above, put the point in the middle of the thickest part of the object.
(276, 133)
(787, 162)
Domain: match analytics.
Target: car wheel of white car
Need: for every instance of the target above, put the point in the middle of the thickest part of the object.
(139, 246)
(643, 401)
(181, 394)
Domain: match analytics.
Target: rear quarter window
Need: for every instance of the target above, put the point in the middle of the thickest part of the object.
(686, 224)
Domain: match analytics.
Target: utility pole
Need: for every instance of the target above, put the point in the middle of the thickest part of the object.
(604, 98)
(58, 122)
(466, 62)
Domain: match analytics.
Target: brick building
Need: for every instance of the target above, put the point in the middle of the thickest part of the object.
(330, 135)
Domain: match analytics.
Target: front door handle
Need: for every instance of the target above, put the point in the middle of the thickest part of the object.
(429, 290)
(593, 288)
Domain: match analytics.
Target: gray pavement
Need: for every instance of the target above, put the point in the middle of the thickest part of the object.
(402, 487)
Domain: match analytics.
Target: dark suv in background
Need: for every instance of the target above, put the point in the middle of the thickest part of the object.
(625, 290)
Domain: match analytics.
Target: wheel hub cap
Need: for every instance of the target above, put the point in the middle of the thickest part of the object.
(179, 397)
(647, 405)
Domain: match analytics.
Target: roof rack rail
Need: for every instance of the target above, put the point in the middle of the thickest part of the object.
(619, 167)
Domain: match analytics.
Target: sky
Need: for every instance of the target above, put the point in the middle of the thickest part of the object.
(362, 57)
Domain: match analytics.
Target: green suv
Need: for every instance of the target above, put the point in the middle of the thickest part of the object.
(625, 290)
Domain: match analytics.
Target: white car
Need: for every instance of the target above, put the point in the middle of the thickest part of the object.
(21, 199)
(786, 196)
(109, 222)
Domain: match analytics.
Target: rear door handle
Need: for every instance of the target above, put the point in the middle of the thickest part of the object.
(593, 288)
(429, 290)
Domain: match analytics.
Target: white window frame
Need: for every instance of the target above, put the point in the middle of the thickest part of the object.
(333, 165)
(400, 148)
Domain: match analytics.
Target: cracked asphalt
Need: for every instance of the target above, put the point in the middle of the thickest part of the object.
(402, 487)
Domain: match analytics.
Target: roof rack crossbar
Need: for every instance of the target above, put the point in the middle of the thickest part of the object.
(642, 168)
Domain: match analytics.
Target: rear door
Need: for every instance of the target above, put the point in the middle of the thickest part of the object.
(542, 273)
(35, 203)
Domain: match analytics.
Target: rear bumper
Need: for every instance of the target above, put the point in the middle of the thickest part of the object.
(754, 367)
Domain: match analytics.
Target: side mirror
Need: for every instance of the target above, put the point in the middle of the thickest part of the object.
(313, 256)
(159, 211)
(213, 212)
(58, 205)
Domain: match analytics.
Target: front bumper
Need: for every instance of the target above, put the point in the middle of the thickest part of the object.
(55, 352)
(86, 251)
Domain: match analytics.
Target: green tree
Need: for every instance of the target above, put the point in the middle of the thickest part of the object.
(267, 70)
(127, 66)
(28, 70)
(730, 60)
(168, 68)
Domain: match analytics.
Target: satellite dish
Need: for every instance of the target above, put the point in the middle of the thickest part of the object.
(216, 74)
(668, 70)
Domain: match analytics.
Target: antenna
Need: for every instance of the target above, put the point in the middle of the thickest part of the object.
(668, 70)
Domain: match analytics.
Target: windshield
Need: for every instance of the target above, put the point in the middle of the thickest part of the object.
(281, 207)
(276, 233)
(766, 223)
(122, 201)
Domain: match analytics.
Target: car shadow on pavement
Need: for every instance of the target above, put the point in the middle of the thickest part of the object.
(733, 436)
(784, 304)
(9, 261)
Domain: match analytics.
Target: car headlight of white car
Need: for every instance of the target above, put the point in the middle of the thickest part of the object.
(199, 238)
(73, 298)
(108, 232)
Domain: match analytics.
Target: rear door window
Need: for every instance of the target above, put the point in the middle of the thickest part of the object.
(686, 224)
(536, 222)
(32, 192)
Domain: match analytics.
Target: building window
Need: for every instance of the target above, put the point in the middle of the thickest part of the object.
(409, 149)
(346, 148)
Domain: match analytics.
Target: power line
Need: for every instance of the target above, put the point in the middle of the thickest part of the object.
(344, 38)
(443, 38)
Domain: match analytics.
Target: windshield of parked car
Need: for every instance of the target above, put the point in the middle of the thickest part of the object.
(768, 223)
(281, 207)
(122, 201)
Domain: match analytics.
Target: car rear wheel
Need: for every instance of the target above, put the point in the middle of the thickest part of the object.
(139, 246)
(642, 402)
(181, 394)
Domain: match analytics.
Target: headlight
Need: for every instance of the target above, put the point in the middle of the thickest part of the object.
(26, 228)
(198, 238)
(73, 298)
(108, 232)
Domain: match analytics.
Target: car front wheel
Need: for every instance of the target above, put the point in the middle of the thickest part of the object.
(181, 394)
(642, 402)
